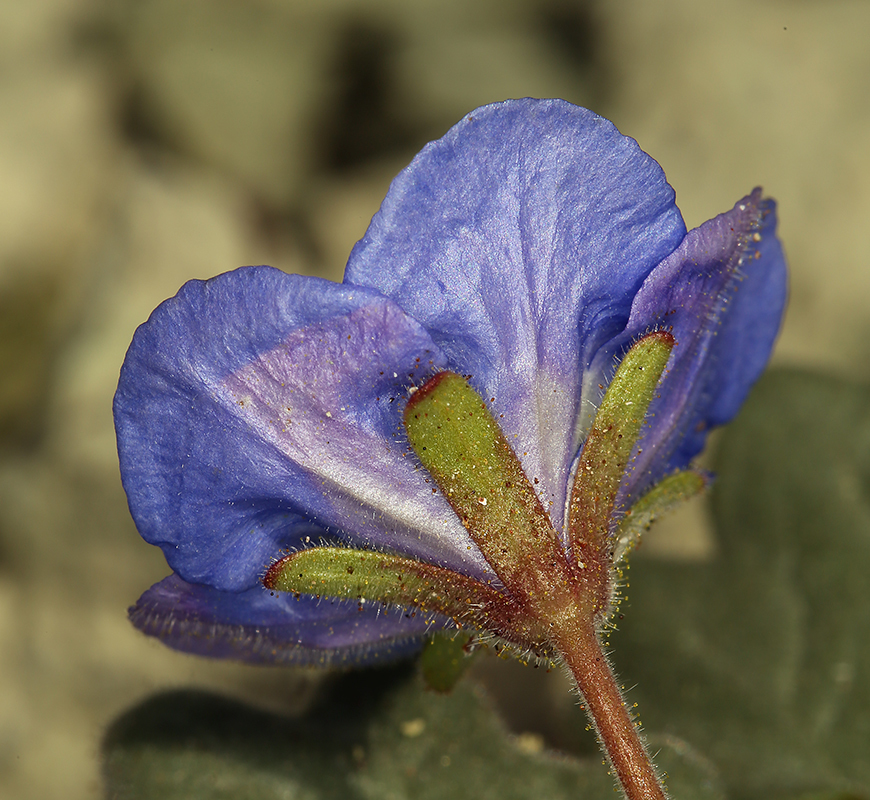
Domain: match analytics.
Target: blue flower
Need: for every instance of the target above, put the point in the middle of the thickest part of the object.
(260, 412)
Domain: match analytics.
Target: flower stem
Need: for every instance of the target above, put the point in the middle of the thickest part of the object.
(617, 732)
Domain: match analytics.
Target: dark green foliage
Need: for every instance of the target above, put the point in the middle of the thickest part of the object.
(761, 659)
(375, 735)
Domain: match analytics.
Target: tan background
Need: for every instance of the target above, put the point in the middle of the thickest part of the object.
(146, 143)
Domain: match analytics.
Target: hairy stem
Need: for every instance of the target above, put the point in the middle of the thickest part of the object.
(617, 732)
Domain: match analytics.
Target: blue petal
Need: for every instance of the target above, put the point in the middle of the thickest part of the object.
(519, 240)
(259, 408)
(258, 626)
(723, 293)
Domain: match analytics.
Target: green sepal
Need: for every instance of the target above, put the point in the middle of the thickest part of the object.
(612, 437)
(604, 461)
(665, 496)
(461, 445)
(445, 659)
(384, 578)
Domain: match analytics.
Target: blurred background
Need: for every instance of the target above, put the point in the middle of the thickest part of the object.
(146, 143)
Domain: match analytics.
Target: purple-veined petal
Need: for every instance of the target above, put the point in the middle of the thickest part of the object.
(262, 627)
(258, 408)
(519, 241)
(722, 293)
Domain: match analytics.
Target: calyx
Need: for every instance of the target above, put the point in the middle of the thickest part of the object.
(461, 445)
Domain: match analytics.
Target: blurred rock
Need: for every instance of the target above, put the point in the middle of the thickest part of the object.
(773, 94)
(173, 222)
(57, 162)
(275, 92)
(232, 83)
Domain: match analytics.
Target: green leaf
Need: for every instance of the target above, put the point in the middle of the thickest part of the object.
(761, 658)
(376, 735)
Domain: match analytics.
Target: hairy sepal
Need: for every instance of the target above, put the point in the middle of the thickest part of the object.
(456, 438)
(369, 576)
(606, 457)
(666, 495)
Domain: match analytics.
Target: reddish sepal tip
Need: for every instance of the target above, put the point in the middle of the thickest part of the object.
(666, 337)
(270, 579)
(426, 389)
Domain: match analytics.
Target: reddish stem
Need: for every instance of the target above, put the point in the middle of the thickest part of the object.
(617, 732)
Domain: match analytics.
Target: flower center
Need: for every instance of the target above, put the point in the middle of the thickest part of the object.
(463, 448)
